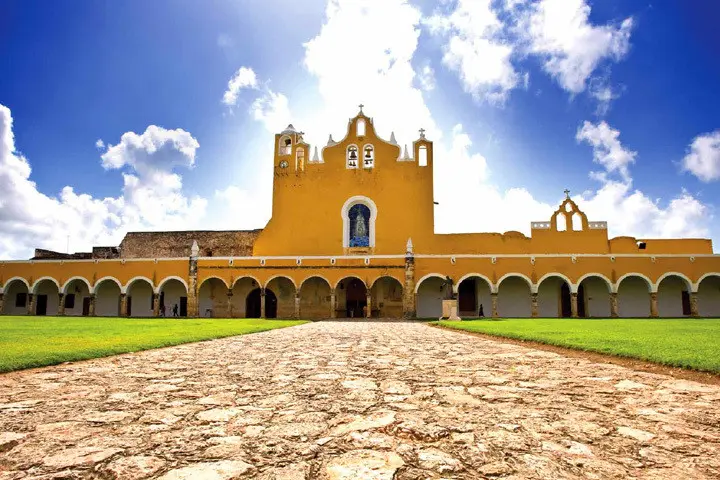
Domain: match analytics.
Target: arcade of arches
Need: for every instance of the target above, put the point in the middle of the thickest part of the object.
(633, 296)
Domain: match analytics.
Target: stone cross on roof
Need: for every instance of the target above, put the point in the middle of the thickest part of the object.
(567, 193)
(361, 107)
(422, 133)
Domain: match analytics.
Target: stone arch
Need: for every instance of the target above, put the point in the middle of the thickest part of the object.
(14, 279)
(139, 291)
(213, 277)
(315, 294)
(352, 156)
(351, 296)
(344, 213)
(67, 283)
(46, 300)
(593, 298)
(42, 279)
(425, 277)
(284, 145)
(473, 295)
(213, 299)
(284, 290)
(167, 279)
(137, 279)
(633, 295)
(493, 288)
(368, 155)
(386, 293)
(241, 288)
(697, 284)
(708, 295)
(673, 295)
(554, 291)
(513, 295)
(107, 296)
(16, 291)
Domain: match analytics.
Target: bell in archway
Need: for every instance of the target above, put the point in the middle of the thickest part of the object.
(353, 155)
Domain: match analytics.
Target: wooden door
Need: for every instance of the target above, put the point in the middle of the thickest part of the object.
(41, 305)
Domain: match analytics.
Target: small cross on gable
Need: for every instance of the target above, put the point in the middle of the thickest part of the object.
(567, 193)
(422, 133)
(361, 107)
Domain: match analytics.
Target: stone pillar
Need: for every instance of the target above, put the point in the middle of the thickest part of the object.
(368, 303)
(574, 305)
(93, 299)
(61, 305)
(229, 303)
(2, 303)
(533, 305)
(193, 306)
(614, 305)
(156, 304)
(31, 304)
(297, 305)
(123, 305)
(409, 296)
(693, 304)
(494, 301)
(262, 303)
(333, 302)
(653, 305)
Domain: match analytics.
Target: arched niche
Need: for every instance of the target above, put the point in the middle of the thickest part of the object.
(351, 297)
(76, 298)
(315, 301)
(387, 298)
(430, 292)
(633, 296)
(46, 300)
(139, 298)
(708, 295)
(514, 296)
(283, 288)
(15, 297)
(594, 296)
(673, 295)
(365, 233)
(107, 297)
(474, 295)
(241, 288)
(553, 296)
(213, 298)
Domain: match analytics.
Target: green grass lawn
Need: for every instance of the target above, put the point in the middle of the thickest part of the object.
(686, 343)
(27, 342)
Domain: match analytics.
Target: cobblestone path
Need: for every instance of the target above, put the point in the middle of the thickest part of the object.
(351, 400)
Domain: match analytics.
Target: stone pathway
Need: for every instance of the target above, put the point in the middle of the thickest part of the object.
(351, 400)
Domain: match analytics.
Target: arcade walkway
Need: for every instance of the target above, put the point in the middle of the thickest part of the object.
(354, 400)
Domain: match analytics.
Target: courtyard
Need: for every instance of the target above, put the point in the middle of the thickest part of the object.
(349, 400)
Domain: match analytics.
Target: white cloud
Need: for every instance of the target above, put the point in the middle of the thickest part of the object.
(476, 50)
(152, 197)
(99, 144)
(607, 149)
(426, 77)
(560, 32)
(703, 159)
(244, 78)
(272, 109)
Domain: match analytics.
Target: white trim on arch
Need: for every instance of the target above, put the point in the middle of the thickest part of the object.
(533, 287)
(135, 279)
(573, 288)
(103, 279)
(610, 285)
(696, 286)
(167, 279)
(211, 278)
(351, 276)
(349, 203)
(651, 285)
(314, 276)
(91, 289)
(37, 282)
(429, 275)
(251, 277)
(267, 282)
(12, 279)
(493, 289)
(688, 282)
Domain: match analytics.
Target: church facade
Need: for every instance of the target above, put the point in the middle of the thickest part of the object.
(352, 235)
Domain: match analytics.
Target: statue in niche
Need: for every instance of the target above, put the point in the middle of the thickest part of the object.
(359, 235)
(360, 230)
(448, 289)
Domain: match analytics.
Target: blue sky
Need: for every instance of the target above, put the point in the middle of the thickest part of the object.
(505, 88)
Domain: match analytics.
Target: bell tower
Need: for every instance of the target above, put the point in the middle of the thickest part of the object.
(291, 152)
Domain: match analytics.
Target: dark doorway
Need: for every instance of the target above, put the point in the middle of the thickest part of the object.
(565, 308)
(86, 306)
(582, 306)
(129, 306)
(252, 304)
(41, 305)
(270, 304)
(355, 297)
(467, 296)
(183, 306)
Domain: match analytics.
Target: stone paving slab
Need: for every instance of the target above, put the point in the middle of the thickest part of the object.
(353, 400)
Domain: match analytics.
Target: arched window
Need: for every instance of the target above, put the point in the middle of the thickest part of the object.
(368, 156)
(285, 145)
(361, 128)
(300, 159)
(352, 157)
(359, 225)
(422, 154)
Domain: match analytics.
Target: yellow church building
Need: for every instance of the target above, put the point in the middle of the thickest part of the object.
(352, 235)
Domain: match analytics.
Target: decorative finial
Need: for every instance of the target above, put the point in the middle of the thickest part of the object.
(194, 250)
(361, 107)
(422, 133)
(406, 156)
(567, 193)
(316, 158)
(392, 138)
(331, 142)
(409, 248)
